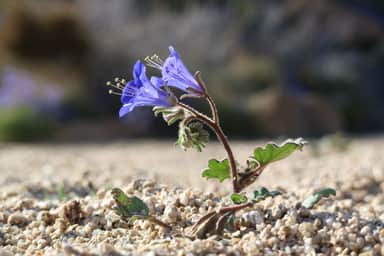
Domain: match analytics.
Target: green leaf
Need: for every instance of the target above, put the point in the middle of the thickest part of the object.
(315, 197)
(263, 193)
(238, 198)
(192, 135)
(171, 114)
(129, 206)
(273, 152)
(217, 170)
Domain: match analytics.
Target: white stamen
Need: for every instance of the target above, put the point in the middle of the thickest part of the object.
(154, 61)
(120, 94)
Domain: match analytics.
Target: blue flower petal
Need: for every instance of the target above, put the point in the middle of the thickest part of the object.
(173, 52)
(175, 74)
(138, 70)
(125, 109)
(141, 92)
(127, 94)
(157, 82)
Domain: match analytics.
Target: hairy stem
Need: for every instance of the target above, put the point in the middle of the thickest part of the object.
(215, 126)
(212, 105)
(220, 134)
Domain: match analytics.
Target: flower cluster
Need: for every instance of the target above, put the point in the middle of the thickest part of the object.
(155, 91)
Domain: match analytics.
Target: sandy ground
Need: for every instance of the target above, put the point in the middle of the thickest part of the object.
(41, 172)
(116, 163)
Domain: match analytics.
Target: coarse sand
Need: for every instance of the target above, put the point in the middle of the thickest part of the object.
(56, 200)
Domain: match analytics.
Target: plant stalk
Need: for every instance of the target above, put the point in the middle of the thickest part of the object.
(213, 107)
(215, 126)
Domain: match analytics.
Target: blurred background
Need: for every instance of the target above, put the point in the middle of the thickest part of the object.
(275, 68)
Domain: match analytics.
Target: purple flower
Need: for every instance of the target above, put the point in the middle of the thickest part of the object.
(16, 88)
(139, 92)
(19, 89)
(174, 73)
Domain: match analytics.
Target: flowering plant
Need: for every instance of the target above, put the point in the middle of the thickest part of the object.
(157, 93)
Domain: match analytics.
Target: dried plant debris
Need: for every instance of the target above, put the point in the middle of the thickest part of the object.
(72, 212)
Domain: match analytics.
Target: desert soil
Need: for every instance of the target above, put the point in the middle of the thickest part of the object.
(55, 200)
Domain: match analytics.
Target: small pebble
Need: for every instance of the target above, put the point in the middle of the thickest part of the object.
(18, 219)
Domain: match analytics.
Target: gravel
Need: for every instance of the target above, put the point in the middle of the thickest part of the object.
(55, 200)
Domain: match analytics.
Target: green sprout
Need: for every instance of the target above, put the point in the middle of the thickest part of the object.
(61, 194)
(312, 200)
(133, 208)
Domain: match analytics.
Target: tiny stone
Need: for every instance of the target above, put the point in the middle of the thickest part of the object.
(365, 230)
(4, 252)
(171, 214)
(369, 253)
(101, 193)
(304, 212)
(252, 218)
(46, 217)
(184, 198)
(17, 219)
(307, 229)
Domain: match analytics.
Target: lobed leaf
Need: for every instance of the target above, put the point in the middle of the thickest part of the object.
(238, 198)
(273, 152)
(217, 170)
(129, 206)
(316, 197)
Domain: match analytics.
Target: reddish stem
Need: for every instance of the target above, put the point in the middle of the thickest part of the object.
(234, 208)
(215, 126)
(212, 105)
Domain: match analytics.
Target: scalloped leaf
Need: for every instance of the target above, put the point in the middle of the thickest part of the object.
(263, 193)
(238, 198)
(312, 200)
(273, 152)
(129, 206)
(217, 170)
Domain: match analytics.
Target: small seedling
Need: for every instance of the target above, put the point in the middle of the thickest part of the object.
(133, 208)
(157, 92)
(61, 194)
(263, 193)
(312, 200)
